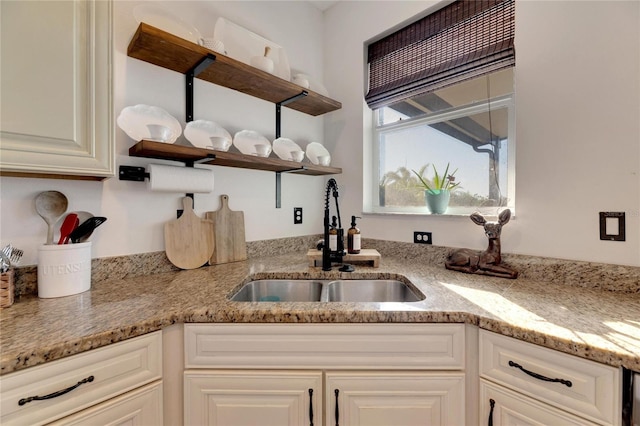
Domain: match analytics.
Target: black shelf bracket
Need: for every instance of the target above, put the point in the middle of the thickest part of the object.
(279, 110)
(279, 183)
(190, 76)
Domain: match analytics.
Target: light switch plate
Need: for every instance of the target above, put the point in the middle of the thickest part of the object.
(606, 219)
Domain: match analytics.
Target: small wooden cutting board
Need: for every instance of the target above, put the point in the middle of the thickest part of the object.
(189, 239)
(230, 244)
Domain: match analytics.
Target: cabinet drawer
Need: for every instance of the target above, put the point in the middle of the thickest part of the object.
(588, 388)
(139, 407)
(114, 369)
(335, 346)
(511, 408)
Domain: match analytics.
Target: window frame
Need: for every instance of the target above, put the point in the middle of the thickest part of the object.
(378, 130)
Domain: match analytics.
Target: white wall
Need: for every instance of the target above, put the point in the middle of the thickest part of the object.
(578, 133)
(135, 215)
(577, 126)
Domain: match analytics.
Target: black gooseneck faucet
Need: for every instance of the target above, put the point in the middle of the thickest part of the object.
(327, 254)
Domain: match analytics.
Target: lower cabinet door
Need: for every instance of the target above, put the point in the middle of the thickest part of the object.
(142, 406)
(502, 407)
(250, 398)
(395, 398)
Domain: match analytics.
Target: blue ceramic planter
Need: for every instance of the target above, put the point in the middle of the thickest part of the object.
(437, 200)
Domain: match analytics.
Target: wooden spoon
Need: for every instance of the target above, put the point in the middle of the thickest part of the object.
(50, 205)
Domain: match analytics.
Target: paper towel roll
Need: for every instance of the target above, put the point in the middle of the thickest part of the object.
(180, 179)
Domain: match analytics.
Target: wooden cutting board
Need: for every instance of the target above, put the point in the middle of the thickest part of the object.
(189, 239)
(230, 244)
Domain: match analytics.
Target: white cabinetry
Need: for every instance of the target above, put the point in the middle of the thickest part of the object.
(395, 398)
(560, 385)
(253, 397)
(400, 374)
(501, 406)
(102, 382)
(56, 97)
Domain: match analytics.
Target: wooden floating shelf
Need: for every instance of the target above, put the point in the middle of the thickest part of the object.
(164, 151)
(166, 50)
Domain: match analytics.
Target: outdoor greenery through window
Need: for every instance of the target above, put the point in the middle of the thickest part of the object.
(460, 138)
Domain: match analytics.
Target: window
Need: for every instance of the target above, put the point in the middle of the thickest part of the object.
(459, 126)
(442, 94)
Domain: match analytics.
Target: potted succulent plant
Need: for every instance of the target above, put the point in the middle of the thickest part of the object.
(437, 190)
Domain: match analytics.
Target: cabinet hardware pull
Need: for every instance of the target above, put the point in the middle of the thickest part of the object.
(492, 403)
(24, 401)
(337, 409)
(310, 407)
(567, 383)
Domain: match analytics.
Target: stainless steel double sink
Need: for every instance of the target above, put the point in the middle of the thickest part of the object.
(327, 291)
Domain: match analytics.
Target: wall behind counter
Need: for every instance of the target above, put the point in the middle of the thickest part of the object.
(135, 215)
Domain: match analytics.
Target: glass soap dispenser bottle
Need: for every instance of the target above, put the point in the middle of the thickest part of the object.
(353, 237)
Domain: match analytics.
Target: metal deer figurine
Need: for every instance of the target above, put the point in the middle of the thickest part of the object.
(485, 262)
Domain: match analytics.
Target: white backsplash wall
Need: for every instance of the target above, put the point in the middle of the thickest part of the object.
(135, 215)
(578, 139)
(577, 131)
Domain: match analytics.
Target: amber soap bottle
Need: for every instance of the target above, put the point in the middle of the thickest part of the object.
(353, 237)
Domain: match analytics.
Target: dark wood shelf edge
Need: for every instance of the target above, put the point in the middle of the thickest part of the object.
(168, 51)
(182, 153)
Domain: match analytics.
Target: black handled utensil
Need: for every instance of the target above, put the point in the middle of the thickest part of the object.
(84, 231)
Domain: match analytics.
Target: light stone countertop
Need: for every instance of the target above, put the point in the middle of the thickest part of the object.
(599, 325)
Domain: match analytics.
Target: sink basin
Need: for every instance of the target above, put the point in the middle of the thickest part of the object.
(327, 291)
(372, 291)
(279, 291)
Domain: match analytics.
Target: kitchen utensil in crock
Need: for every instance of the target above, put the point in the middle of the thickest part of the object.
(189, 239)
(230, 243)
(86, 228)
(50, 205)
(70, 223)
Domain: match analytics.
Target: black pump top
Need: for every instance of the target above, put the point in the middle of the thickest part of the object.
(353, 220)
(334, 221)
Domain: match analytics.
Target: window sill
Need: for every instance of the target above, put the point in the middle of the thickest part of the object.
(424, 211)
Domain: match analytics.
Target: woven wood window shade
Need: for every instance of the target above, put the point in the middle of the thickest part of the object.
(463, 40)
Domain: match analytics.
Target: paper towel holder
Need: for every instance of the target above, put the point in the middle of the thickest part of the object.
(139, 174)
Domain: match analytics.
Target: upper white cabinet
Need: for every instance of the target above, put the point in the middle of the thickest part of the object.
(56, 97)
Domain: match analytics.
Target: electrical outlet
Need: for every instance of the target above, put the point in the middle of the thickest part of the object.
(420, 237)
(297, 215)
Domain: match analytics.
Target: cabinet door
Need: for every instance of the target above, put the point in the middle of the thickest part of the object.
(502, 407)
(55, 74)
(394, 398)
(249, 398)
(139, 407)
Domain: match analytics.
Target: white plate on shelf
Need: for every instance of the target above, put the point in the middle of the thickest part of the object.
(200, 132)
(159, 17)
(242, 44)
(246, 141)
(283, 147)
(315, 150)
(135, 121)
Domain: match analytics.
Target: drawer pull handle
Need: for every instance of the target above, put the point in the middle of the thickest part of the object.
(310, 407)
(567, 383)
(337, 409)
(24, 401)
(492, 403)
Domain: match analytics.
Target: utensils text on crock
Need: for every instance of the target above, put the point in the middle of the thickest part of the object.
(84, 231)
(70, 223)
(50, 205)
